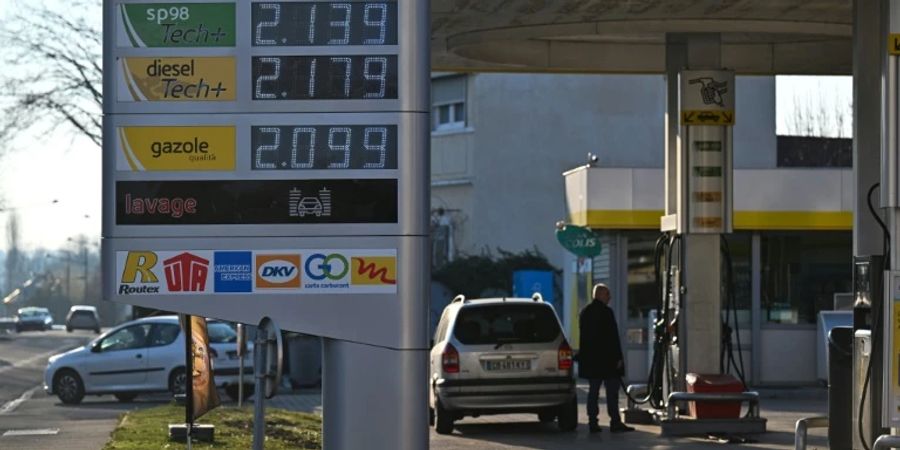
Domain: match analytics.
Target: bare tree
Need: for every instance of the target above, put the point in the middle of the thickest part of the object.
(821, 118)
(52, 69)
(13, 252)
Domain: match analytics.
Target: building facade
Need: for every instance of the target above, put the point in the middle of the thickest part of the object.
(500, 143)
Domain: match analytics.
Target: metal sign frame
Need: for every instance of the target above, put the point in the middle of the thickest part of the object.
(387, 318)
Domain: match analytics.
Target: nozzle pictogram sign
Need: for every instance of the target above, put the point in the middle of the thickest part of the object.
(711, 91)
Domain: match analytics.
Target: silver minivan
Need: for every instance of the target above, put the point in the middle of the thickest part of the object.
(501, 355)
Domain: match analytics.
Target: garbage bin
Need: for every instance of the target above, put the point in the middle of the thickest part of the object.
(709, 383)
(840, 387)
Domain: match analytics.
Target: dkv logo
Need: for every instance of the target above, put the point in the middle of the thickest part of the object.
(277, 271)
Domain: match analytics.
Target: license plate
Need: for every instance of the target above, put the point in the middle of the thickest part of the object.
(508, 365)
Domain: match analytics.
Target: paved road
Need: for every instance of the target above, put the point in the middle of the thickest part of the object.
(29, 419)
(23, 358)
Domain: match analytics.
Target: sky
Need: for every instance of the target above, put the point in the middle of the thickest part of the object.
(53, 183)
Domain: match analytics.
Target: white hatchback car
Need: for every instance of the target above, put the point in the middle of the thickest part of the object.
(141, 356)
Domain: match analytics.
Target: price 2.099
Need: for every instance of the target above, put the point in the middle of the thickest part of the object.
(324, 147)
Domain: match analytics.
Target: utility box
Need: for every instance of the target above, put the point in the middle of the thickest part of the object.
(714, 384)
(840, 387)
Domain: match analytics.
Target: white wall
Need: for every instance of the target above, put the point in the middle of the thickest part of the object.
(525, 130)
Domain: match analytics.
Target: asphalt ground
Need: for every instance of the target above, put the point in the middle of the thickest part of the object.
(523, 431)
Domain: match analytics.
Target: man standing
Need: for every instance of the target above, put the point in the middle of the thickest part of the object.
(600, 359)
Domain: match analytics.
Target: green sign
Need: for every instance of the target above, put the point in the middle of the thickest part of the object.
(581, 241)
(176, 25)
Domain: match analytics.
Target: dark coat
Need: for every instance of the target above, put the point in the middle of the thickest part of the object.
(599, 349)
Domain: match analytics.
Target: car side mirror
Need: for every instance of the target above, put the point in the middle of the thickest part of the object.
(95, 347)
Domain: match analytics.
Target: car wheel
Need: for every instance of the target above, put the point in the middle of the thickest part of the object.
(125, 397)
(68, 387)
(443, 419)
(96, 331)
(178, 381)
(233, 391)
(546, 415)
(68, 329)
(567, 417)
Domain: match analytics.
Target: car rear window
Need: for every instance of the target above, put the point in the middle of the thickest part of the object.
(82, 313)
(220, 333)
(495, 324)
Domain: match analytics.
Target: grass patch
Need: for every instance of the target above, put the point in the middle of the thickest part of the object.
(149, 428)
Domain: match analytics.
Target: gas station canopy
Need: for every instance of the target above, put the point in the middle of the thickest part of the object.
(761, 37)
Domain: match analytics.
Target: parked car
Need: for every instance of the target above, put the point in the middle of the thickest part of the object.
(141, 356)
(33, 318)
(83, 317)
(501, 355)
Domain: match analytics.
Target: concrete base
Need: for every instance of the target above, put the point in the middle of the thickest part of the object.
(374, 398)
(703, 427)
(199, 432)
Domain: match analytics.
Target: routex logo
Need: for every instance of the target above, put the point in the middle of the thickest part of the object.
(186, 273)
(139, 270)
(374, 270)
(277, 271)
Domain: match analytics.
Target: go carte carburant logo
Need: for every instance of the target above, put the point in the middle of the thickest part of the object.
(326, 271)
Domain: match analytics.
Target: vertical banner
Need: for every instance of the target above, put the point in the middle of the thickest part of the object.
(707, 115)
(201, 387)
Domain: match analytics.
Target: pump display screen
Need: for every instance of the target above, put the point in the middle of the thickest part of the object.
(324, 147)
(324, 77)
(324, 23)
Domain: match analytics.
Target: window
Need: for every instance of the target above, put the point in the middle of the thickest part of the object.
(802, 272)
(163, 334)
(808, 151)
(441, 329)
(494, 324)
(127, 338)
(739, 245)
(220, 333)
(448, 108)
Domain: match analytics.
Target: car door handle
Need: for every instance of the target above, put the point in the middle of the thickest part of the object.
(139, 356)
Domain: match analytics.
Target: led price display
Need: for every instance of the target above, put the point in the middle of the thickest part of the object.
(324, 23)
(324, 77)
(324, 147)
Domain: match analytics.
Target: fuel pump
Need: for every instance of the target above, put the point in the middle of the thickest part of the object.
(691, 260)
(886, 318)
